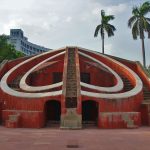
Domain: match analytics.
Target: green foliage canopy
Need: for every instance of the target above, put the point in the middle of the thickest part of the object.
(7, 51)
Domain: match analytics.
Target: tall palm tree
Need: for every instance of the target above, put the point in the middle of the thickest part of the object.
(105, 27)
(140, 24)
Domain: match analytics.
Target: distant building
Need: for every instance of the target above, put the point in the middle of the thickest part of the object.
(22, 44)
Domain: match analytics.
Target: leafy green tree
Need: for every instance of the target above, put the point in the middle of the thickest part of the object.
(7, 51)
(140, 24)
(105, 26)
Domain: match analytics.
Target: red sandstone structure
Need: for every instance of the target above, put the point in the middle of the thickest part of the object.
(73, 87)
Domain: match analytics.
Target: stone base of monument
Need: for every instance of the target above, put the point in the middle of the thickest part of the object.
(71, 120)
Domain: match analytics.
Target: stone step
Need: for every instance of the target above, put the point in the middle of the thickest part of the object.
(128, 88)
(146, 95)
(71, 120)
(146, 92)
(71, 87)
(71, 81)
(71, 94)
(146, 98)
(71, 90)
(146, 102)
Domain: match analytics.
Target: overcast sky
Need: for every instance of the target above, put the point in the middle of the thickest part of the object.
(59, 23)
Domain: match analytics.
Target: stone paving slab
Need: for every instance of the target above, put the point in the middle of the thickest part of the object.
(86, 139)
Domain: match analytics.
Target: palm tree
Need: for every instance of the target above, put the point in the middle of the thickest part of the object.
(105, 27)
(140, 24)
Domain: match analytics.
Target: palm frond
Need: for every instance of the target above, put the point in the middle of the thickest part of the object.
(112, 27)
(149, 34)
(97, 30)
(110, 17)
(131, 21)
(135, 30)
(146, 24)
(148, 19)
(110, 30)
(135, 11)
(145, 8)
(147, 28)
(141, 29)
(110, 33)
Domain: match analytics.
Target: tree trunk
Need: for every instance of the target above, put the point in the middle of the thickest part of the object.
(103, 45)
(143, 53)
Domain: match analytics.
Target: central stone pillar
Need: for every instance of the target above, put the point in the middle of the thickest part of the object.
(71, 119)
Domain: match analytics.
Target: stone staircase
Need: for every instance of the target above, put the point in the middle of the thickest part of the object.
(127, 87)
(146, 93)
(127, 84)
(71, 120)
(71, 82)
(15, 82)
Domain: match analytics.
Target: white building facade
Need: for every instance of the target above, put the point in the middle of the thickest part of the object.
(22, 44)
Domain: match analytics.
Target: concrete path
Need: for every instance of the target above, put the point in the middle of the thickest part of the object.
(85, 139)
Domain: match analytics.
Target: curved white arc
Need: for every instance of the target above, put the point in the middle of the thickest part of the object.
(138, 87)
(111, 96)
(98, 88)
(24, 86)
(40, 88)
(32, 95)
(4, 86)
(116, 88)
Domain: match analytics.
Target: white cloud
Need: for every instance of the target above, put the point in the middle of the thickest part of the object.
(57, 23)
(116, 9)
(68, 19)
(16, 4)
(111, 9)
(46, 25)
(12, 24)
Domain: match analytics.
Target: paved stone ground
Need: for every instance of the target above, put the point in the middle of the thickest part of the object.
(86, 139)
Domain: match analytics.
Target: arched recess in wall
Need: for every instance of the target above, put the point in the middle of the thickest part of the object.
(90, 112)
(52, 112)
